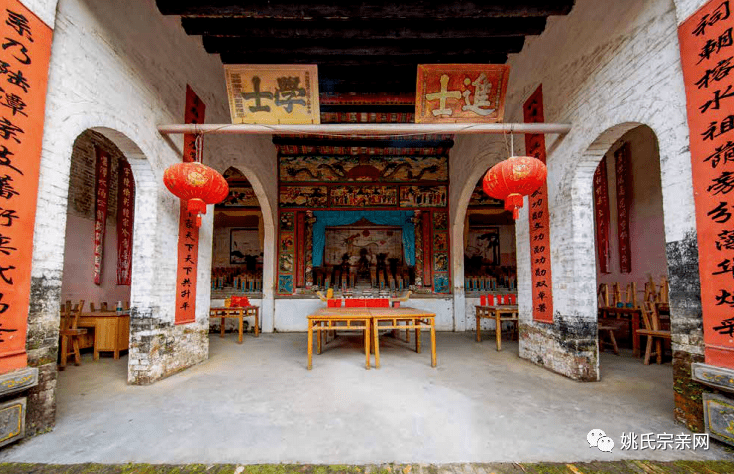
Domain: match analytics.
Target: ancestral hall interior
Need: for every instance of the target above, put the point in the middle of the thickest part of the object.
(369, 201)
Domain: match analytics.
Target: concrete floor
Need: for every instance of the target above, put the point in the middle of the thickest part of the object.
(256, 403)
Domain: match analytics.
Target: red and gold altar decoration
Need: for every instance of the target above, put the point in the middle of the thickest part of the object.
(198, 184)
(514, 178)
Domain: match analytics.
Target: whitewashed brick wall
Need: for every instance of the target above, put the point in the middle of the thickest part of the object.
(605, 68)
(121, 68)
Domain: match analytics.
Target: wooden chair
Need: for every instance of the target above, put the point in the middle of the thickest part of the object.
(69, 334)
(654, 332)
(609, 332)
(602, 295)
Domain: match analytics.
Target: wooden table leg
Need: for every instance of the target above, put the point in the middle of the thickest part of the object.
(635, 336)
(319, 331)
(221, 332)
(498, 329)
(64, 351)
(257, 322)
(242, 317)
(367, 343)
(479, 325)
(417, 338)
(309, 344)
(376, 339)
(433, 341)
(407, 334)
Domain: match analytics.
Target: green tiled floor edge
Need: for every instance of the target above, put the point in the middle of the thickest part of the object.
(632, 467)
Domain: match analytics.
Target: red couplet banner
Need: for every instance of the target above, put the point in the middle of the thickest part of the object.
(623, 173)
(601, 210)
(102, 190)
(24, 55)
(706, 53)
(540, 255)
(188, 233)
(125, 219)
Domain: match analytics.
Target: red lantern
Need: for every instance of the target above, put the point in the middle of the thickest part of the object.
(198, 184)
(514, 178)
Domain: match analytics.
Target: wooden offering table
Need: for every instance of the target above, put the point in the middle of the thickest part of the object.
(414, 319)
(330, 319)
(496, 312)
(111, 331)
(240, 313)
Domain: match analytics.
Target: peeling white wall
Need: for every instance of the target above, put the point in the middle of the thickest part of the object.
(605, 64)
(122, 68)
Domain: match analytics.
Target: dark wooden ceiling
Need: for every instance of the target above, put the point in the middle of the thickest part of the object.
(364, 46)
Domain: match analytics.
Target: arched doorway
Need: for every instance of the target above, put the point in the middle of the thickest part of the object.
(631, 264)
(238, 248)
(98, 247)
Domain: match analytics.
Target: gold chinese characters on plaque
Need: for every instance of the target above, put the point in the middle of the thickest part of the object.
(461, 93)
(273, 94)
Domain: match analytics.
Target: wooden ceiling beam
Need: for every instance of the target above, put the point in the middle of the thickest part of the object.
(386, 63)
(362, 143)
(364, 48)
(467, 28)
(373, 9)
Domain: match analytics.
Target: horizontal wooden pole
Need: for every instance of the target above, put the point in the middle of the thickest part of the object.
(355, 130)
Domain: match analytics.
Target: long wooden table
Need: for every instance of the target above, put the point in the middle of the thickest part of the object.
(239, 312)
(111, 331)
(495, 312)
(330, 319)
(370, 319)
(414, 318)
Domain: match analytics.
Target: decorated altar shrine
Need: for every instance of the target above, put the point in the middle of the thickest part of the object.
(373, 216)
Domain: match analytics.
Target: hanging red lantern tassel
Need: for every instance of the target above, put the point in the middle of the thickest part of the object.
(196, 183)
(514, 178)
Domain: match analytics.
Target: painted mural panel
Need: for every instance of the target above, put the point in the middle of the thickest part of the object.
(303, 196)
(363, 168)
(286, 253)
(243, 243)
(423, 196)
(240, 195)
(483, 243)
(355, 241)
(364, 196)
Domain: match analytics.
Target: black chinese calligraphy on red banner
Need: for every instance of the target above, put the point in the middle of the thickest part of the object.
(125, 219)
(101, 193)
(538, 218)
(707, 52)
(601, 213)
(188, 233)
(25, 49)
(623, 174)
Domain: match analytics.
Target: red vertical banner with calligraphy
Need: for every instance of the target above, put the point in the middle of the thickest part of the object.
(623, 174)
(24, 57)
(601, 213)
(125, 219)
(707, 49)
(540, 255)
(188, 233)
(101, 195)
